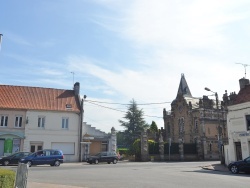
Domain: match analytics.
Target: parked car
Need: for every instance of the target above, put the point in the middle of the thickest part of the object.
(103, 157)
(240, 166)
(42, 157)
(13, 159)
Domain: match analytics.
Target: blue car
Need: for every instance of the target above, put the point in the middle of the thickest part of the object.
(240, 166)
(47, 156)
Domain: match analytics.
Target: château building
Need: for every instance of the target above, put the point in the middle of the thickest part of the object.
(197, 121)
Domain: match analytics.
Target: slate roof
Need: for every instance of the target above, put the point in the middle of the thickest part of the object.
(243, 95)
(183, 89)
(38, 98)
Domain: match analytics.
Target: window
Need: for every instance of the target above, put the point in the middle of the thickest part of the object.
(196, 124)
(4, 121)
(36, 147)
(65, 123)
(181, 125)
(168, 128)
(41, 122)
(18, 121)
(104, 146)
(248, 122)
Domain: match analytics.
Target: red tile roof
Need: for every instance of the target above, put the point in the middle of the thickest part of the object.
(243, 95)
(37, 98)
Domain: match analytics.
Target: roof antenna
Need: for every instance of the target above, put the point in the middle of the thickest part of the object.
(245, 65)
(73, 74)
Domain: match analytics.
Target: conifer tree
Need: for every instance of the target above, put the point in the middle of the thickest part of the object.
(134, 123)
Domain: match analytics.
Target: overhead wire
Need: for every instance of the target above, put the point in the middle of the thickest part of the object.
(125, 104)
(91, 102)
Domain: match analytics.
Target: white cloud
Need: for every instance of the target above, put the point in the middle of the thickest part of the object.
(180, 24)
(169, 38)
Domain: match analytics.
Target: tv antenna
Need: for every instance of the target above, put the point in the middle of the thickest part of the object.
(73, 74)
(245, 65)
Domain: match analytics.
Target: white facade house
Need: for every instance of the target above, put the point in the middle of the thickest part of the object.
(55, 130)
(238, 121)
(238, 124)
(35, 118)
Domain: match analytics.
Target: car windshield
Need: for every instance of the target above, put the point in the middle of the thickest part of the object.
(98, 154)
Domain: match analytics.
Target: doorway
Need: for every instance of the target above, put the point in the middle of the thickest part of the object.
(238, 151)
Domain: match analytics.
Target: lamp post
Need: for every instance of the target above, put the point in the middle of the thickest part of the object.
(219, 128)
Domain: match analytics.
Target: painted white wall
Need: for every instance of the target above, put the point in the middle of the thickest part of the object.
(53, 131)
(237, 130)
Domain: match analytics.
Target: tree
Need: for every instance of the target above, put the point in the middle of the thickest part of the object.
(153, 127)
(135, 123)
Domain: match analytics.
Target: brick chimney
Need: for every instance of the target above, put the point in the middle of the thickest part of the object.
(243, 82)
(77, 88)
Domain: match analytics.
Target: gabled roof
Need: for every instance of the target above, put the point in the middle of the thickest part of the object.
(243, 95)
(183, 88)
(37, 98)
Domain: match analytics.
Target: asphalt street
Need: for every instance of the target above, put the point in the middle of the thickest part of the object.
(135, 174)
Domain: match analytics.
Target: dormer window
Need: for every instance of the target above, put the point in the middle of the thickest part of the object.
(68, 106)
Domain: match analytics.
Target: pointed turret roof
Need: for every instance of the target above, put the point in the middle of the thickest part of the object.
(183, 88)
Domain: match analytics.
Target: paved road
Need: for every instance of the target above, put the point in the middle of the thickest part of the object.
(134, 175)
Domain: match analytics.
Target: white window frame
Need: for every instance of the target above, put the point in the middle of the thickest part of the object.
(41, 122)
(18, 121)
(65, 123)
(5, 120)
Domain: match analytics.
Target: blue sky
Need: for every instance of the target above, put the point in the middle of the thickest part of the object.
(122, 50)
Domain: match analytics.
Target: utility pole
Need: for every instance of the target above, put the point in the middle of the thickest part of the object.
(81, 124)
(73, 77)
(219, 127)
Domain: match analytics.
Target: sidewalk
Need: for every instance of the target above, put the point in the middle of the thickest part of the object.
(216, 167)
(47, 185)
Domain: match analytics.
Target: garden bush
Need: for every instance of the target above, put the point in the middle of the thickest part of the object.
(7, 178)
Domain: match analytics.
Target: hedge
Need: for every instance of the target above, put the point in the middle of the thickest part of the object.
(7, 178)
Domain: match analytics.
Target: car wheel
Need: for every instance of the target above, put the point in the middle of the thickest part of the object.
(29, 163)
(114, 161)
(96, 161)
(57, 163)
(90, 162)
(234, 169)
(6, 163)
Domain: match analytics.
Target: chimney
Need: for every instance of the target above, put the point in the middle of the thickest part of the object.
(77, 88)
(243, 82)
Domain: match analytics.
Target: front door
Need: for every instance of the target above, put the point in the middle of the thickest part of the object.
(238, 151)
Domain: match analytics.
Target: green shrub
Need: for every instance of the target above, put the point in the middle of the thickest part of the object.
(137, 149)
(7, 178)
(123, 151)
(153, 147)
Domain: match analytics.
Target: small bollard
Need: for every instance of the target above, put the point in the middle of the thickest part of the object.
(21, 176)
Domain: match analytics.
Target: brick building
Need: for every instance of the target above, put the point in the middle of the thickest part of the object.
(200, 122)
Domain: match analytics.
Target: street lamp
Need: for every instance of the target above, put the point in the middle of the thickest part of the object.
(219, 128)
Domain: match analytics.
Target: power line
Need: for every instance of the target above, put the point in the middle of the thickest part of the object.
(117, 109)
(126, 104)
